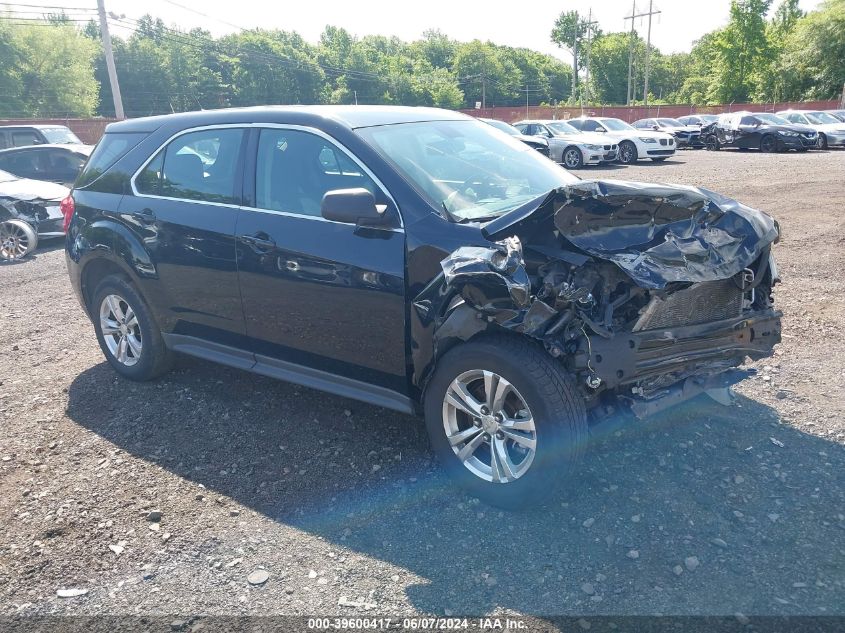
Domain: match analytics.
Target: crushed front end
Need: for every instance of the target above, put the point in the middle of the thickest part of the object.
(648, 294)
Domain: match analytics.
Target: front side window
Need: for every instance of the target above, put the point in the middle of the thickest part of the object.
(295, 169)
(616, 125)
(22, 138)
(562, 128)
(195, 166)
(465, 170)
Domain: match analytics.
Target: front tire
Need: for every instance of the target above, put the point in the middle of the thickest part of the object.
(627, 153)
(768, 144)
(659, 160)
(17, 240)
(572, 158)
(505, 420)
(126, 331)
(821, 142)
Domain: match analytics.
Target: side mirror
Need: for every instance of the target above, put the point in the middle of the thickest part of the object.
(656, 128)
(353, 206)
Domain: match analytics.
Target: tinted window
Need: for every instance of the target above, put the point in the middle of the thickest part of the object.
(748, 120)
(590, 126)
(26, 164)
(60, 160)
(578, 125)
(195, 166)
(110, 149)
(21, 138)
(295, 169)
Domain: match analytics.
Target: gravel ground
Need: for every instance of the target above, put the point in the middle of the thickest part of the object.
(167, 497)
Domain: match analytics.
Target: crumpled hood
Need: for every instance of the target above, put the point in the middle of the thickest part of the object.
(657, 234)
(28, 190)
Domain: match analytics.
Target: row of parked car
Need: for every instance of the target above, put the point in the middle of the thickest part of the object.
(596, 140)
(38, 165)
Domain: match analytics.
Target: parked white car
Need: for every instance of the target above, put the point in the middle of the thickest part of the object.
(831, 130)
(570, 146)
(633, 143)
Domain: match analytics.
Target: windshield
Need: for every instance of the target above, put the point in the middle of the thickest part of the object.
(821, 118)
(617, 125)
(561, 127)
(466, 169)
(670, 122)
(772, 118)
(501, 125)
(708, 118)
(60, 136)
(6, 176)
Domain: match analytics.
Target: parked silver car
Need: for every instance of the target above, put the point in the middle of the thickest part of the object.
(571, 146)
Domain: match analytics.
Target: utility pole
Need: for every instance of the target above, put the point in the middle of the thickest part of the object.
(631, 51)
(356, 96)
(632, 90)
(590, 23)
(651, 12)
(115, 87)
(483, 91)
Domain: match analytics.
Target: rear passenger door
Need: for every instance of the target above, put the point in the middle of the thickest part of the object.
(321, 299)
(184, 208)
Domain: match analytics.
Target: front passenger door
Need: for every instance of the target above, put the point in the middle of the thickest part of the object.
(318, 294)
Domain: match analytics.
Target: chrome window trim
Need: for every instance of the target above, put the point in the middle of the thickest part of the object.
(281, 126)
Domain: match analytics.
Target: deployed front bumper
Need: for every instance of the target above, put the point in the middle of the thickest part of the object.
(632, 357)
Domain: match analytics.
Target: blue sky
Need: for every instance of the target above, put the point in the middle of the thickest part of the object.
(516, 24)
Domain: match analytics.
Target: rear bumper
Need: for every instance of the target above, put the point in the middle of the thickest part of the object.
(706, 349)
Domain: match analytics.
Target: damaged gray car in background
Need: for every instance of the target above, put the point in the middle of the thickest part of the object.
(29, 211)
(647, 295)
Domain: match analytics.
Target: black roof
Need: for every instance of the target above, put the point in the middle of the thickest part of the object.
(349, 116)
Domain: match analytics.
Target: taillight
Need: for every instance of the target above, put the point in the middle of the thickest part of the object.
(67, 208)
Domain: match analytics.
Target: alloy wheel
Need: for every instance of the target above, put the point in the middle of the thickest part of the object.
(572, 158)
(121, 330)
(489, 426)
(626, 153)
(14, 241)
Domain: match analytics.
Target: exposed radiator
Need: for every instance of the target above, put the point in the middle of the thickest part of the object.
(700, 303)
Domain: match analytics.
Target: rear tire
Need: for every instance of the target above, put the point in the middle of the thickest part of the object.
(535, 388)
(126, 331)
(17, 240)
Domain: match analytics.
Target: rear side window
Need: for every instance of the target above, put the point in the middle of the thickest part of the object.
(195, 166)
(110, 149)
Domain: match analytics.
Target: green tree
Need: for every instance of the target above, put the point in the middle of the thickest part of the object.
(570, 33)
(741, 46)
(47, 70)
(811, 65)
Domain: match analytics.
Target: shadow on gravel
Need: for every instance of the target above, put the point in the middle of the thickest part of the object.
(707, 510)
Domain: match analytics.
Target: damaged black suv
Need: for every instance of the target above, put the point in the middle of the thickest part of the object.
(423, 261)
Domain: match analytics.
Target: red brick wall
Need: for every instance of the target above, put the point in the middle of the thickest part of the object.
(88, 130)
(634, 113)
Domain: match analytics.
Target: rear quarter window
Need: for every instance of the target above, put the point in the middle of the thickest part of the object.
(110, 149)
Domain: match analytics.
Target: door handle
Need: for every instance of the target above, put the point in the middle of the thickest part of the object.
(259, 241)
(145, 215)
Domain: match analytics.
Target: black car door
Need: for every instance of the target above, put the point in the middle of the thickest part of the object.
(748, 133)
(184, 210)
(318, 294)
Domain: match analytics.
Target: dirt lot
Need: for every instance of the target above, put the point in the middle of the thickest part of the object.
(706, 510)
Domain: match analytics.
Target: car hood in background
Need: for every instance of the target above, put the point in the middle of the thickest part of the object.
(29, 190)
(657, 234)
(586, 138)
